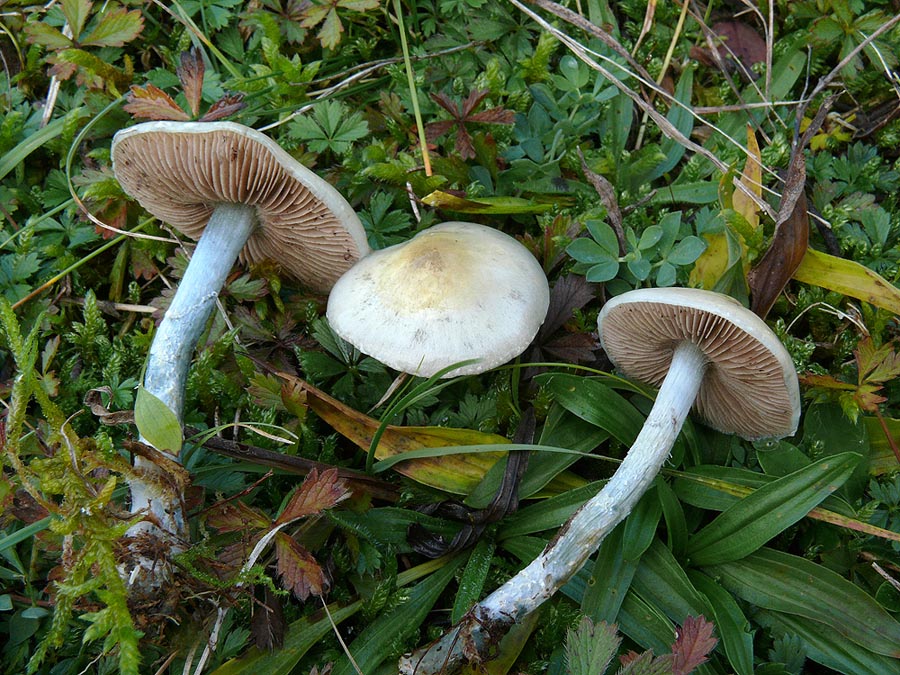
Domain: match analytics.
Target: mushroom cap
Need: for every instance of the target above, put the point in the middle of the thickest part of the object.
(180, 171)
(750, 387)
(454, 292)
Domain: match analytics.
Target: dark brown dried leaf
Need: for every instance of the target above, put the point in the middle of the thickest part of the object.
(267, 624)
(235, 516)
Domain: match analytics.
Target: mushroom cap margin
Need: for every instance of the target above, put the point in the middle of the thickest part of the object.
(750, 387)
(180, 171)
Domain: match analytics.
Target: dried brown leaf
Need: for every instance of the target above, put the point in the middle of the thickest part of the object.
(299, 571)
(267, 624)
(741, 41)
(776, 267)
(94, 401)
(318, 492)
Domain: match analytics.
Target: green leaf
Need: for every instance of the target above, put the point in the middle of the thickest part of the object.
(596, 403)
(731, 623)
(330, 34)
(157, 424)
(332, 126)
(378, 639)
(471, 583)
(704, 192)
(793, 585)
(604, 271)
(590, 647)
(748, 524)
(681, 118)
(299, 638)
(824, 646)
(661, 580)
(687, 250)
(586, 250)
(114, 29)
(76, 13)
(485, 205)
(46, 36)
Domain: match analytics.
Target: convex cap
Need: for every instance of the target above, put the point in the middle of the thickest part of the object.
(454, 292)
(180, 171)
(750, 387)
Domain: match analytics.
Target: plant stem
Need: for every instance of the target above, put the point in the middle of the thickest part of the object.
(173, 345)
(580, 537)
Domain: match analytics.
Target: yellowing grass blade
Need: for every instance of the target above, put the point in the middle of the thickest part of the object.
(848, 277)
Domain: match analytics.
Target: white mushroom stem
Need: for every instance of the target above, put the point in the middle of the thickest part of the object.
(173, 345)
(580, 537)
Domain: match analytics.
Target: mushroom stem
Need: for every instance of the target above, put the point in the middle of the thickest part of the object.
(580, 537)
(173, 345)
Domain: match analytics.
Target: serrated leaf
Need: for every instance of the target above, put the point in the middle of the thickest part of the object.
(591, 647)
(319, 491)
(330, 33)
(151, 102)
(299, 571)
(76, 13)
(224, 107)
(157, 424)
(46, 36)
(114, 29)
(693, 642)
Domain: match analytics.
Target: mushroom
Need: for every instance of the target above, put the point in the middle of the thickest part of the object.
(701, 348)
(454, 292)
(237, 192)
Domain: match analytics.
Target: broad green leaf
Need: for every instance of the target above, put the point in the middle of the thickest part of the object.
(471, 583)
(504, 657)
(596, 403)
(661, 580)
(114, 29)
(156, 422)
(825, 647)
(376, 642)
(76, 13)
(485, 205)
(645, 624)
(681, 118)
(547, 514)
(299, 638)
(703, 192)
(793, 585)
(731, 623)
(46, 36)
(848, 277)
(610, 578)
(748, 524)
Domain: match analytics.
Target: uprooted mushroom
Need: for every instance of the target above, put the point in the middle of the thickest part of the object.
(702, 349)
(238, 193)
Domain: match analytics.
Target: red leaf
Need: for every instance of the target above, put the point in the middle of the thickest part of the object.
(225, 106)
(190, 71)
(299, 571)
(151, 102)
(446, 103)
(318, 492)
(493, 116)
(742, 41)
(693, 643)
(475, 97)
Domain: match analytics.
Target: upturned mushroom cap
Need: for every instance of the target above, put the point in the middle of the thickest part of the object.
(454, 292)
(180, 171)
(750, 387)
